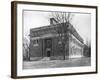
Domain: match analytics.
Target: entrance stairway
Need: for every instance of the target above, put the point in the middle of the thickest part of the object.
(45, 59)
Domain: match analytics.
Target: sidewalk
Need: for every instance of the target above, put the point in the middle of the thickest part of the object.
(73, 62)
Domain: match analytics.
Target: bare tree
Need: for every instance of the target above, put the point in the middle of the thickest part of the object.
(87, 48)
(25, 49)
(63, 18)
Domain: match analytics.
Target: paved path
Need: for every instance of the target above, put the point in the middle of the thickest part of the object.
(57, 63)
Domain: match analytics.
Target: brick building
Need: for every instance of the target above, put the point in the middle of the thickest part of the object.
(56, 41)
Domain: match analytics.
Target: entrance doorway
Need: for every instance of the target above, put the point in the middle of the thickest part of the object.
(48, 47)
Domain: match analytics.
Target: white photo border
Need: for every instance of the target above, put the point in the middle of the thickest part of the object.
(51, 71)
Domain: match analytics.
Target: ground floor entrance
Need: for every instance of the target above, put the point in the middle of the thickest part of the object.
(48, 47)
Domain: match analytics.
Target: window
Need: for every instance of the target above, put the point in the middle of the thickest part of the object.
(35, 43)
(59, 42)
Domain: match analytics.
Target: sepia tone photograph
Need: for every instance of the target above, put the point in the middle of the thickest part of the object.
(56, 39)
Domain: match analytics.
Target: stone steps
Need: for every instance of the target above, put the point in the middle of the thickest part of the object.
(45, 59)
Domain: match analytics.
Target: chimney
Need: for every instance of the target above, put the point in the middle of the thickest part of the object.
(52, 21)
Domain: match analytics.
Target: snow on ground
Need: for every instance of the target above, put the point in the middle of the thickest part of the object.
(73, 62)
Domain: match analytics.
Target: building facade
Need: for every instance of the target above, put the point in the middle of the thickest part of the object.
(57, 41)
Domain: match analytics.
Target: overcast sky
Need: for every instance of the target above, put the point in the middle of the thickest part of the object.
(34, 19)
